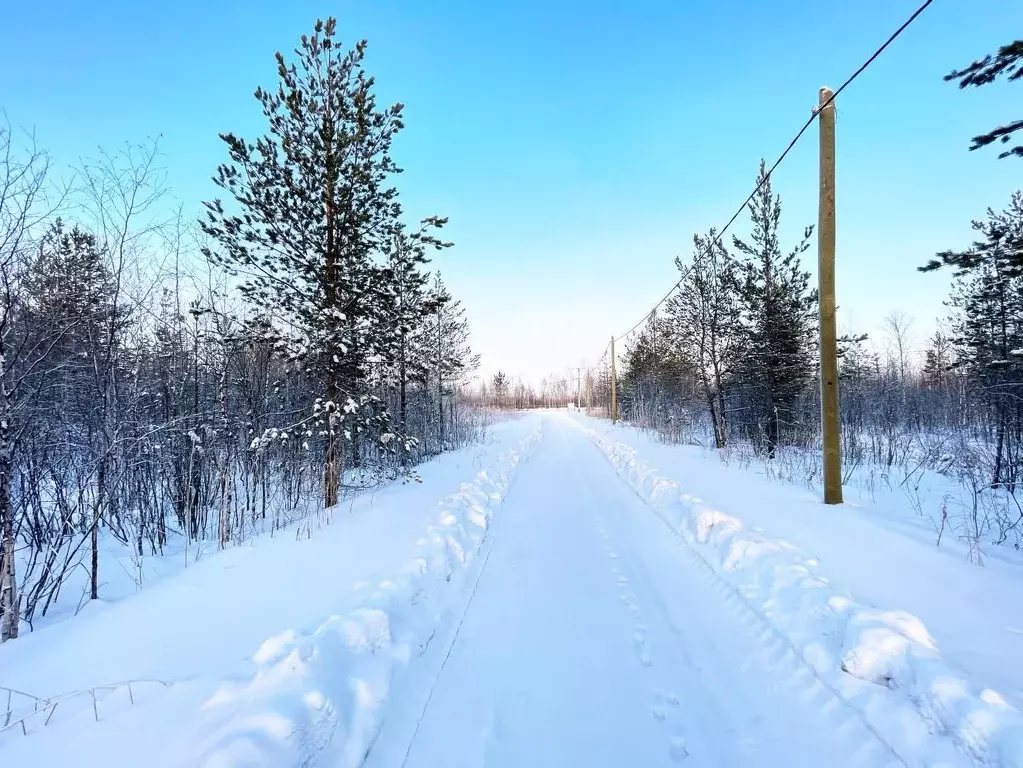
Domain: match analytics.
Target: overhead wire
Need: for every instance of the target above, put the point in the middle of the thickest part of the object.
(795, 139)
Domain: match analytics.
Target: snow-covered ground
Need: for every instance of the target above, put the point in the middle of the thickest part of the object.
(220, 630)
(528, 605)
(881, 551)
(859, 591)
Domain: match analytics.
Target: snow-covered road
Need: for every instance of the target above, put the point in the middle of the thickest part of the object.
(596, 637)
(549, 597)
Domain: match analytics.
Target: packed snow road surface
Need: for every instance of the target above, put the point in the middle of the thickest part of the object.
(595, 637)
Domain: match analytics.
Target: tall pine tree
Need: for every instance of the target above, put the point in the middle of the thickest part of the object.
(312, 206)
(779, 315)
(446, 342)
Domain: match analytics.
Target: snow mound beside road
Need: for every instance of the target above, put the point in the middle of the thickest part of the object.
(321, 695)
(883, 663)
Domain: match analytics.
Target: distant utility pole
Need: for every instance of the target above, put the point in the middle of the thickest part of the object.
(826, 291)
(614, 385)
(589, 392)
(578, 387)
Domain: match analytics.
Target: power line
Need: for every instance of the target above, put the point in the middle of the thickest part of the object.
(791, 144)
(599, 359)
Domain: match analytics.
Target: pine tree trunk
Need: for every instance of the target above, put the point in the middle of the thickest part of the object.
(402, 411)
(720, 397)
(440, 384)
(715, 419)
(772, 430)
(711, 398)
(330, 482)
(451, 417)
(331, 456)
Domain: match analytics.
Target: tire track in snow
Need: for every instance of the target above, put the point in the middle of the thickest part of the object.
(665, 706)
(789, 675)
(783, 675)
(547, 671)
(450, 627)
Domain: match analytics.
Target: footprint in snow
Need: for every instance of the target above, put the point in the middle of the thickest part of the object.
(677, 749)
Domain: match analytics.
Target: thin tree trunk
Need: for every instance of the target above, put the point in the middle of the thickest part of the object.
(999, 446)
(94, 532)
(330, 473)
(440, 382)
(9, 603)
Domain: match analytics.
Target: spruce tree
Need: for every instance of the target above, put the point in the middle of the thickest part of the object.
(779, 315)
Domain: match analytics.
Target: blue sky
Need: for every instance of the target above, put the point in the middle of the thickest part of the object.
(575, 146)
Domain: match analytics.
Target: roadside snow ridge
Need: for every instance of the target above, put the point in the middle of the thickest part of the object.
(882, 663)
(320, 696)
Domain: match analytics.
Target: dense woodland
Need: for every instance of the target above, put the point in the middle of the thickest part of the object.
(193, 382)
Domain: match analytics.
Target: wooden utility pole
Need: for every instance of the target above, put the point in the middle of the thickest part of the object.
(826, 292)
(589, 393)
(614, 385)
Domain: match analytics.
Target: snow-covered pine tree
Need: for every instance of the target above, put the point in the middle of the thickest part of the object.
(641, 373)
(779, 317)
(409, 305)
(655, 380)
(938, 361)
(446, 344)
(500, 382)
(312, 205)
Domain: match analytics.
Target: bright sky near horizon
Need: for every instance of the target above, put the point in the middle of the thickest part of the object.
(575, 146)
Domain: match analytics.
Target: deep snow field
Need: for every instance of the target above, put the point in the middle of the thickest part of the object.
(568, 593)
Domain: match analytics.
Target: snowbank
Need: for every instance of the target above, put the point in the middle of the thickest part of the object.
(267, 654)
(322, 694)
(883, 663)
